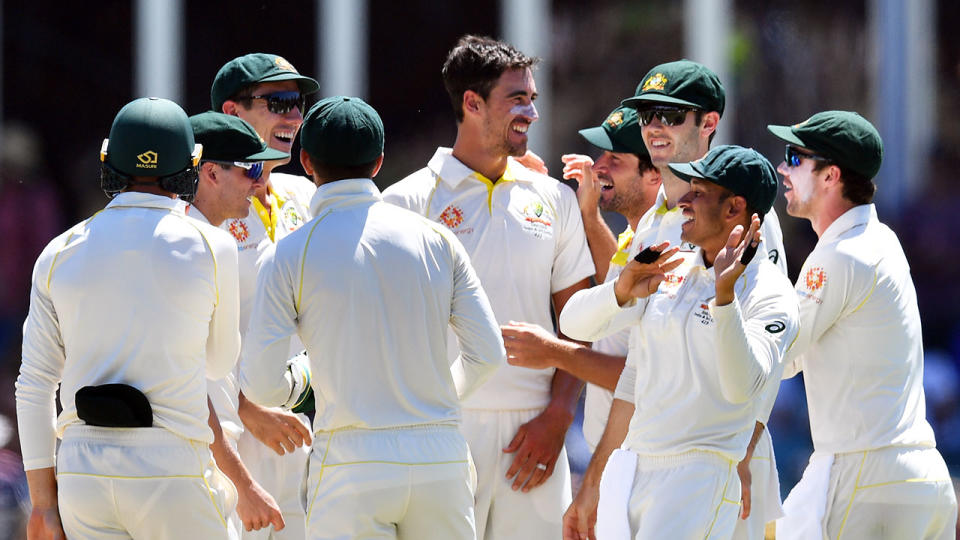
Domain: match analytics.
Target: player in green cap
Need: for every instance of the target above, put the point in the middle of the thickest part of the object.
(875, 471)
(132, 311)
(372, 289)
(710, 327)
(270, 94)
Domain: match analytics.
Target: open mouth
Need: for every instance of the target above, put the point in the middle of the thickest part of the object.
(605, 183)
(520, 127)
(284, 136)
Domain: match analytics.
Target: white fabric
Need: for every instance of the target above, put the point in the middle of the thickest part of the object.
(525, 238)
(503, 513)
(283, 477)
(860, 345)
(616, 485)
(409, 483)
(807, 502)
(765, 504)
(692, 495)
(681, 340)
(138, 294)
(140, 483)
(371, 289)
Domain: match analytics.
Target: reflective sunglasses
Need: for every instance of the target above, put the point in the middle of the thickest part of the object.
(252, 169)
(281, 102)
(669, 116)
(792, 156)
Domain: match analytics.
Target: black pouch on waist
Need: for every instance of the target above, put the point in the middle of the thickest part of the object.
(113, 405)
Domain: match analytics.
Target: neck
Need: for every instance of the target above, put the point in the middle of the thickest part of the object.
(830, 212)
(673, 186)
(472, 153)
(202, 206)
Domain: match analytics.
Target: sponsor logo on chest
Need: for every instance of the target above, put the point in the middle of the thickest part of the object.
(537, 221)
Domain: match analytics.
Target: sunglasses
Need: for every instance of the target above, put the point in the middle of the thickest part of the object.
(668, 116)
(281, 102)
(252, 170)
(792, 156)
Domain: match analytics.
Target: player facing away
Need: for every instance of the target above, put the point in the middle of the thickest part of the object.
(525, 238)
(710, 327)
(371, 290)
(131, 312)
(875, 470)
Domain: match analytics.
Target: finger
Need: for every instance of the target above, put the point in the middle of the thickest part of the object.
(516, 466)
(526, 471)
(275, 445)
(295, 433)
(665, 254)
(537, 477)
(671, 265)
(306, 437)
(745, 500)
(276, 519)
(517, 440)
(287, 444)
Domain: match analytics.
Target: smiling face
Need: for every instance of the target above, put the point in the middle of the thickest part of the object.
(705, 206)
(674, 144)
(801, 183)
(623, 188)
(508, 113)
(278, 130)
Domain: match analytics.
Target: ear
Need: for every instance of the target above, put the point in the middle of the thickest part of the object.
(307, 166)
(208, 171)
(709, 123)
(472, 103)
(229, 107)
(377, 168)
(652, 177)
(831, 177)
(737, 209)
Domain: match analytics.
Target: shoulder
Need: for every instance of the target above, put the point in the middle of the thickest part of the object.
(415, 184)
(295, 186)
(219, 240)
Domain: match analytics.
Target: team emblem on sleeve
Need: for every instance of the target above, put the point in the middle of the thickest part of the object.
(239, 231)
(815, 279)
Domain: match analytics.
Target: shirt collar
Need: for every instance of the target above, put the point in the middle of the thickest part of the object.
(339, 192)
(453, 171)
(858, 215)
(147, 200)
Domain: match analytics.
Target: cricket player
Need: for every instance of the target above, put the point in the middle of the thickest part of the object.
(230, 172)
(679, 106)
(525, 238)
(131, 312)
(875, 471)
(269, 93)
(710, 329)
(621, 180)
(371, 290)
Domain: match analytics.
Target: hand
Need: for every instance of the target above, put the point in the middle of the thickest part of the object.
(44, 524)
(727, 266)
(530, 346)
(743, 470)
(257, 509)
(533, 162)
(639, 280)
(580, 168)
(539, 441)
(580, 519)
(280, 430)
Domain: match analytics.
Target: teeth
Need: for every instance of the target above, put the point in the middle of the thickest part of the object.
(521, 128)
(658, 144)
(285, 136)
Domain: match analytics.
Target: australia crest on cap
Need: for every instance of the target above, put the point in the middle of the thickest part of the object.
(615, 119)
(655, 82)
(282, 63)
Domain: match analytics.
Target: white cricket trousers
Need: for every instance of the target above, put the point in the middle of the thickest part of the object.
(693, 495)
(892, 492)
(143, 483)
(765, 505)
(284, 478)
(502, 513)
(407, 483)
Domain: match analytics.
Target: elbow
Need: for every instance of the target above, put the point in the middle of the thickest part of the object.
(571, 327)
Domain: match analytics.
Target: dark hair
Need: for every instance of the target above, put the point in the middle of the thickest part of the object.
(857, 188)
(329, 172)
(698, 119)
(475, 63)
(644, 164)
(242, 96)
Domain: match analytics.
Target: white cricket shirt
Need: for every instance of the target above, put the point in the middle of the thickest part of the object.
(371, 289)
(860, 347)
(137, 294)
(525, 238)
(694, 370)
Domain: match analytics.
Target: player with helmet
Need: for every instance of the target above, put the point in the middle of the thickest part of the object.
(131, 311)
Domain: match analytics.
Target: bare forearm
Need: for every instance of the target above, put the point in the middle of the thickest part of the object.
(601, 240)
(592, 366)
(43, 487)
(613, 436)
(225, 455)
(565, 392)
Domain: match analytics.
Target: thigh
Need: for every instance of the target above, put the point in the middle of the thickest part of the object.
(534, 515)
(694, 500)
(364, 500)
(891, 493)
(441, 503)
(175, 508)
(86, 508)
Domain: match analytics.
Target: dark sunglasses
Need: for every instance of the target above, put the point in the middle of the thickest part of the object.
(252, 170)
(792, 156)
(281, 102)
(669, 116)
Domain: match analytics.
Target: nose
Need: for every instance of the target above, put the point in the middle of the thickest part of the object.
(684, 201)
(528, 111)
(602, 163)
(783, 169)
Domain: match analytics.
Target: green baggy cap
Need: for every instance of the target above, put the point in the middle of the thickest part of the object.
(255, 68)
(845, 137)
(680, 83)
(230, 138)
(620, 132)
(150, 137)
(741, 170)
(343, 131)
